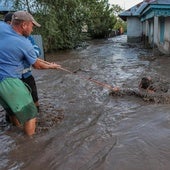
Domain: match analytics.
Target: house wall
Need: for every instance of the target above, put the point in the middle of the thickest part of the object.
(144, 28)
(148, 32)
(156, 31)
(134, 29)
(151, 32)
(164, 44)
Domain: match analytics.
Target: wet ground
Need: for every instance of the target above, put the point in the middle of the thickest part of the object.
(98, 131)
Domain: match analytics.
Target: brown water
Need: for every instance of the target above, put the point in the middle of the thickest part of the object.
(98, 132)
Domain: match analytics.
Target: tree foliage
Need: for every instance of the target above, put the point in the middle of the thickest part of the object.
(100, 19)
(63, 20)
(119, 23)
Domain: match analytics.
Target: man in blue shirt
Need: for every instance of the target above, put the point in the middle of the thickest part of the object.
(15, 49)
(27, 76)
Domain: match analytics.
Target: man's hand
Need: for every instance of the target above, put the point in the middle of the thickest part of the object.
(116, 89)
(41, 64)
(54, 66)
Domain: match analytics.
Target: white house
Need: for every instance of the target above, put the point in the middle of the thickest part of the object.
(149, 21)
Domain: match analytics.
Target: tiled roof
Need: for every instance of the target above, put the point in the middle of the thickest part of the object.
(134, 11)
(137, 9)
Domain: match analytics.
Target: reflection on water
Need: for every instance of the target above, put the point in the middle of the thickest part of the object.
(98, 132)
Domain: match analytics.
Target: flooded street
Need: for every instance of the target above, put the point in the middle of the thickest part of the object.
(98, 131)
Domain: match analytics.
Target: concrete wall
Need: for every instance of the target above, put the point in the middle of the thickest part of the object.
(147, 33)
(164, 46)
(151, 34)
(134, 29)
(156, 30)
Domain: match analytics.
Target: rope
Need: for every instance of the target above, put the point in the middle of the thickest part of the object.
(82, 77)
(90, 79)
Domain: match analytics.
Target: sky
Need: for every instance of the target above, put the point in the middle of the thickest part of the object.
(125, 4)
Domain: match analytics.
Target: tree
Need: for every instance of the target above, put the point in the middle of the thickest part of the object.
(119, 22)
(63, 20)
(100, 18)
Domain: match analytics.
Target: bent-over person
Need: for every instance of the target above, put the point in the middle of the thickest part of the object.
(149, 90)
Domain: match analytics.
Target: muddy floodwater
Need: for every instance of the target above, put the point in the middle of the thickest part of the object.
(97, 131)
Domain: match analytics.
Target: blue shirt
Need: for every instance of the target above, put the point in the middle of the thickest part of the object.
(36, 48)
(27, 67)
(14, 50)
